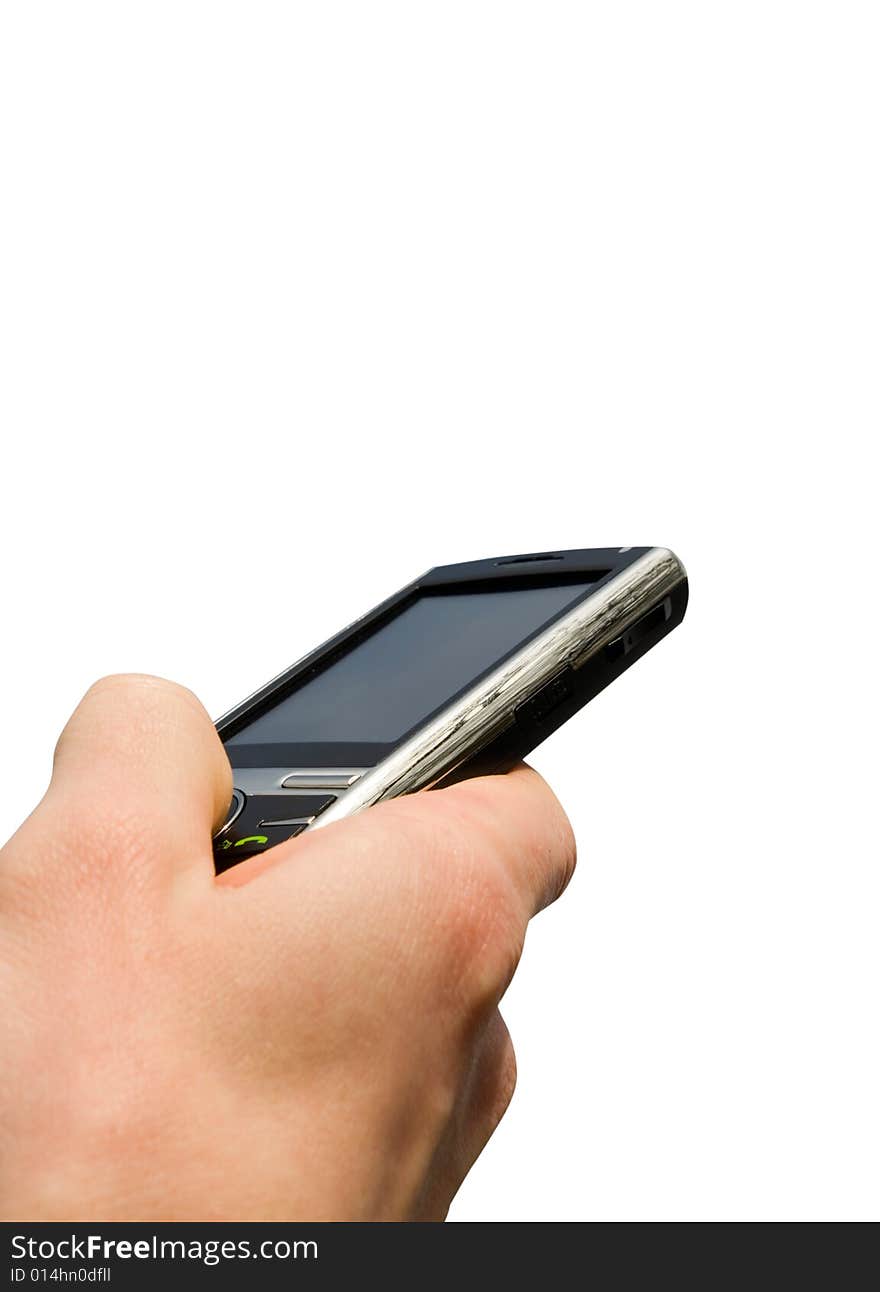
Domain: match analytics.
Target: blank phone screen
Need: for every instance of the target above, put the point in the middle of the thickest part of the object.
(411, 666)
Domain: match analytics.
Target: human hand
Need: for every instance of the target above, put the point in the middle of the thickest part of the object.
(313, 1035)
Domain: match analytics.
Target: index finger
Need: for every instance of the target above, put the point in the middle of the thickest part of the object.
(515, 820)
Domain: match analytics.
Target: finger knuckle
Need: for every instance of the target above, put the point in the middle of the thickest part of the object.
(467, 903)
(547, 834)
(482, 930)
(505, 1083)
(565, 846)
(103, 840)
(90, 857)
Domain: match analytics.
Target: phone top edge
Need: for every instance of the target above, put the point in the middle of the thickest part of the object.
(541, 565)
(488, 708)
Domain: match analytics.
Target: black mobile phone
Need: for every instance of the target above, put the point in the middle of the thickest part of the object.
(461, 673)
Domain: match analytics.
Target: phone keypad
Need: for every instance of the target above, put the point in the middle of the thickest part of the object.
(261, 820)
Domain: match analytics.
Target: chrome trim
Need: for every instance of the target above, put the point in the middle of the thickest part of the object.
(293, 820)
(235, 806)
(625, 598)
(329, 780)
(270, 780)
(487, 708)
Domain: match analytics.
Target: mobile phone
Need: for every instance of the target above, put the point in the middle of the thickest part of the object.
(461, 673)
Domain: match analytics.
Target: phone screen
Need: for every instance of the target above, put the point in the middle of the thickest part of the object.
(412, 665)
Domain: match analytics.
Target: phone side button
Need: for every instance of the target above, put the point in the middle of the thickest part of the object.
(617, 649)
(551, 695)
(649, 624)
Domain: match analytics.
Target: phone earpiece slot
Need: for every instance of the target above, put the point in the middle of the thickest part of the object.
(526, 560)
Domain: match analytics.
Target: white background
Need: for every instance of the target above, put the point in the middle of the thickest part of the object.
(301, 299)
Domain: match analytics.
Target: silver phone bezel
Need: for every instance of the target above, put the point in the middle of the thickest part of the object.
(472, 721)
